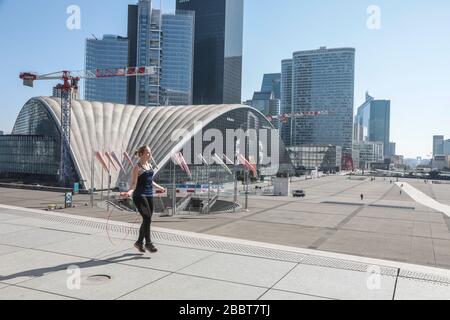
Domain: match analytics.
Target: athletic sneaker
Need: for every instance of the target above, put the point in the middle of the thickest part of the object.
(151, 248)
(140, 247)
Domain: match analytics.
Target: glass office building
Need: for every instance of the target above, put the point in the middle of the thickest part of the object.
(32, 152)
(272, 83)
(367, 153)
(323, 157)
(447, 147)
(178, 58)
(217, 50)
(267, 101)
(109, 52)
(145, 36)
(322, 80)
(372, 122)
(286, 99)
(438, 145)
(29, 157)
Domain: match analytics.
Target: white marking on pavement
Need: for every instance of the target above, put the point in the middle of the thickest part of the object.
(423, 199)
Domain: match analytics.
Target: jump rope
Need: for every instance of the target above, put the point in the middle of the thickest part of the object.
(136, 212)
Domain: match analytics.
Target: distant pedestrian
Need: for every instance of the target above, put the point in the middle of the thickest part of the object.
(362, 197)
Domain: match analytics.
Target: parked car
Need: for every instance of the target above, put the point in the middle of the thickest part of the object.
(299, 194)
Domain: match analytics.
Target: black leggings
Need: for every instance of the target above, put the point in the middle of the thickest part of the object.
(145, 208)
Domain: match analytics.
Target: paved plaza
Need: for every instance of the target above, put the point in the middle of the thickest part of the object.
(330, 245)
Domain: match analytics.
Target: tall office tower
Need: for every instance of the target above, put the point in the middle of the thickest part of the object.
(286, 100)
(372, 122)
(145, 36)
(217, 49)
(109, 52)
(272, 83)
(447, 147)
(178, 58)
(392, 149)
(438, 145)
(267, 101)
(323, 80)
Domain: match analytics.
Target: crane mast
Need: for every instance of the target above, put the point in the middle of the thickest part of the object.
(69, 84)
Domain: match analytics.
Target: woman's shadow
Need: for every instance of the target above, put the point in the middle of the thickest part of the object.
(82, 265)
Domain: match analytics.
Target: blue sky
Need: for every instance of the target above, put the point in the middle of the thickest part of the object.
(406, 61)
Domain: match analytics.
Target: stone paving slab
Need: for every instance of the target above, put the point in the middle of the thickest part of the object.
(4, 285)
(299, 218)
(168, 258)
(28, 264)
(181, 287)
(412, 289)
(19, 293)
(271, 233)
(35, 237)
(240, 269)
(90, 247)
(10, 228)
(284, 295)
(336, 284)
(4, 249)
(7, 216)
(124, 279)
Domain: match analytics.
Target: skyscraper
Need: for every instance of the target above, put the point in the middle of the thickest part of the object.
(217, 49)
(438, 145)
(267, 101)
(272, 83)
(392, 149)
(109, 52)
(322, 80)
(447, 147)
(145, 36)
(286, 99)
(178, 58)
(372, 122)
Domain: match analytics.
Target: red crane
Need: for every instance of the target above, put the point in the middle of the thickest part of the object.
(70, 85)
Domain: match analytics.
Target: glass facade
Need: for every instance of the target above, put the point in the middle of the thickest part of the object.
(178, 58)
(372, 122)
(392, 149)
(310, 157)
(29, 156)
(447, 147)
(145, 35)
(366, 153)
(110, 52)
(266, 103)
(36, 128)
(438, 145)
(217, 50)
(272, 83)
(286, 99)
(322, 80)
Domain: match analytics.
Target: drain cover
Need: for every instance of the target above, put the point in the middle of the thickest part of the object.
(99, 278)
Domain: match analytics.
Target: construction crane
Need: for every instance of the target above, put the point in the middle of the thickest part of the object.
(284, 117)
(70, 85)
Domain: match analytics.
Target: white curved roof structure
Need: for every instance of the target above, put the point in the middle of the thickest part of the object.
(115, 127)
